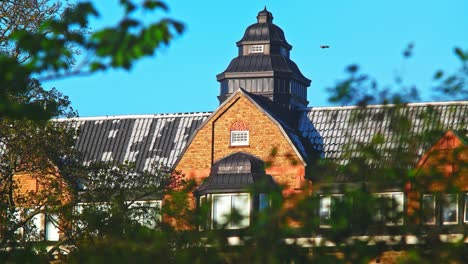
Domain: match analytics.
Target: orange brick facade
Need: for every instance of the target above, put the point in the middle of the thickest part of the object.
(267, 142)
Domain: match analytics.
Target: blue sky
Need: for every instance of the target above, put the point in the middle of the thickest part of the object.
(372, 34)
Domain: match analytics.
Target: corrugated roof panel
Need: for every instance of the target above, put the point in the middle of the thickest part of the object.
(342, 125)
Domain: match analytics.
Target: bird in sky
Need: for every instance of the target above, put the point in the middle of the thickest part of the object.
(324, 46)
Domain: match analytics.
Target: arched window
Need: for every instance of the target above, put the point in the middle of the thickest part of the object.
(239, 134)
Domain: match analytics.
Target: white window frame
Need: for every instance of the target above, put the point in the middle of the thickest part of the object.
(445, 201)
(240, 138)
(434, 208)
(327, 200)
(33, 229)
(465, 218)
(256, 48)
(153, 207)
(399, 198)
(52, 229)
(246, 210)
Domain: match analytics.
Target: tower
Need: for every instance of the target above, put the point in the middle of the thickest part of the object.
(263, 67)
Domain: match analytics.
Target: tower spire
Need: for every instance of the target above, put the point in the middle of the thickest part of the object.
(263, 67)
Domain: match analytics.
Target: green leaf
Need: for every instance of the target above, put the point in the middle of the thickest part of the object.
(438, 75)
(461, 54)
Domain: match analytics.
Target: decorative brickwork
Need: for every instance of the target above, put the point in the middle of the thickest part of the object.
(239, 125)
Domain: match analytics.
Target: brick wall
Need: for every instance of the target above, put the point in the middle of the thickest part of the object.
(212, 142)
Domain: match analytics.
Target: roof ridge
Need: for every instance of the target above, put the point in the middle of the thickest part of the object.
(441, 103)
(135, 116)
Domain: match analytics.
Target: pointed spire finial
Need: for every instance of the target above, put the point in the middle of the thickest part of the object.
(264, 16)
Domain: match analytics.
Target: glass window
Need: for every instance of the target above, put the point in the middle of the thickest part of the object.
(263, 201)
(146, 213)
(327, 203)
(225, 206)
(429, 209)
(33, 229)
(239, 138)
(466, 208)
(449, 209)
(51, 228)
(256, 49)
(391, 208)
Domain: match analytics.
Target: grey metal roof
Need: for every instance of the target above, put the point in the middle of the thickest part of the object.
(161, 138)
(145, 139)
(264, 31)
(236, 172)
(331, 129)
(239, 162)
(264, 63)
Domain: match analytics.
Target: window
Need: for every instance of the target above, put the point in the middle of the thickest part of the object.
(34, 228)
(466, 208)
(240, 138)
(263, 201)
(449, 209)
(231, 210)
(327, 205)
(146, 213)
(391, 207)
(256, 49)
(429, 209)
(51, 227)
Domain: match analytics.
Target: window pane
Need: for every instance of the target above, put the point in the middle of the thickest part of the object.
(466, 207)
(398, 208)
(239, 138)
(241, 204)
(428, 209)
(256, 49)
(52, 230)
(146, 213)
(449, 209)
(325, 204)
(390, 208)
(221, 209)
(263, 201)
(34, 227)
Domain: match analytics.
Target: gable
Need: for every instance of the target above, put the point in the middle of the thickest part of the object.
(446, 157)
(266, 136)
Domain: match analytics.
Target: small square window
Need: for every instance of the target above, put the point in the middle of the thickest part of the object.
(239, 138)
(256, 49)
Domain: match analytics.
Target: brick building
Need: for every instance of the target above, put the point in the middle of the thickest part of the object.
(264, 131)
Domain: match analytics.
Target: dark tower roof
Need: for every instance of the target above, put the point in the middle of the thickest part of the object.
(263, 66)
(236, 172)
(264, 31)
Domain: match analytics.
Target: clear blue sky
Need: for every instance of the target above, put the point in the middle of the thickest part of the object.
(370, 33)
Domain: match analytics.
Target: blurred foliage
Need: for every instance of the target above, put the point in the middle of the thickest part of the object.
(107, 226)
(42, 39)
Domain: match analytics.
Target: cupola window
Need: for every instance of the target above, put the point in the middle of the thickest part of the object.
(239, 134)
(256, 49)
